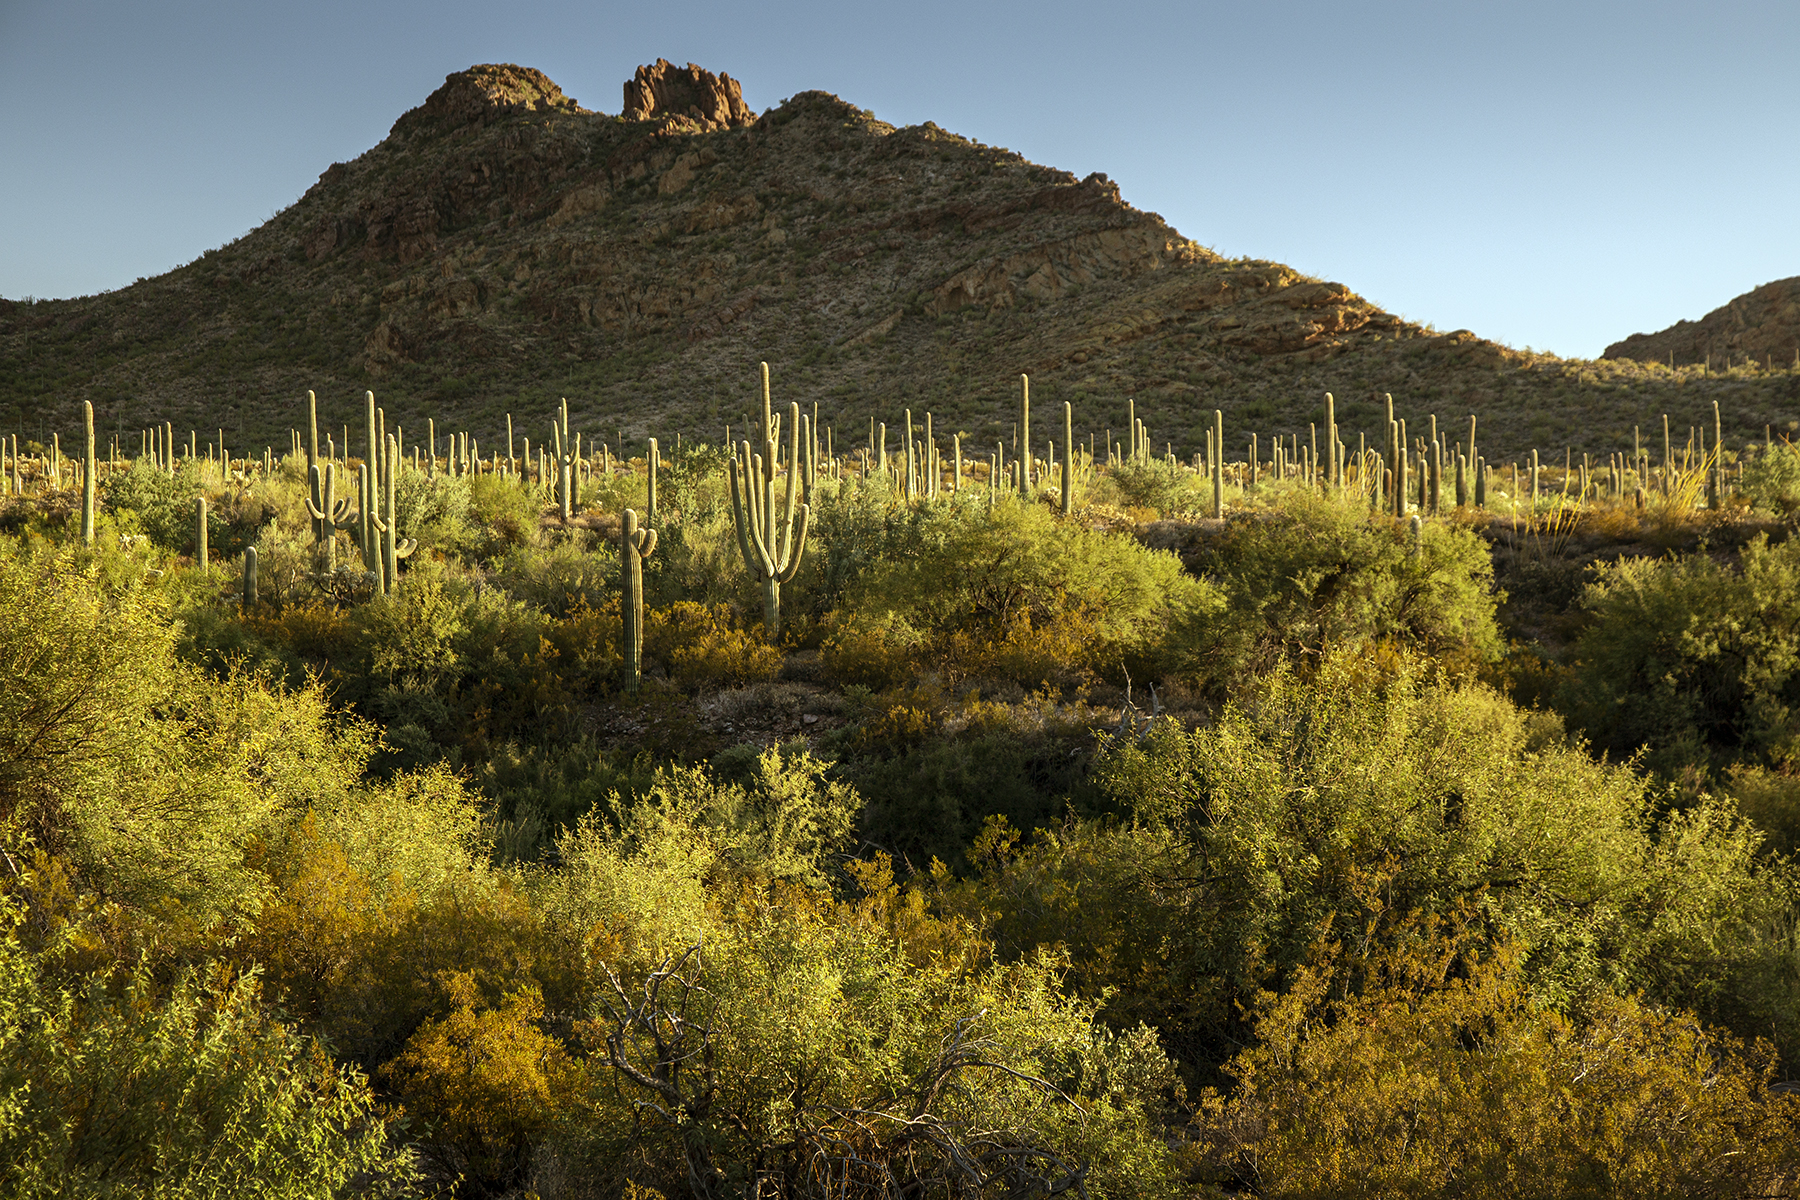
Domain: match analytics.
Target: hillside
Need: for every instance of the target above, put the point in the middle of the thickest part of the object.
(1763, 324)
(503, 247)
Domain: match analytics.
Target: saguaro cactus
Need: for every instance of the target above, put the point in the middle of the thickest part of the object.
(1068, 472)
(635, 545)
(89, 476)
(567, 448)
(652, 460)
(393, 549)
(329, 514)
(769, 559)
(248, 601)
(200, 532)
(1025, 436)
(1218, 464)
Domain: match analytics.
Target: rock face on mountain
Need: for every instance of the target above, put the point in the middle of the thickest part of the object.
(483, 93)
(1761, 325)
(663, 89)
(503, 248)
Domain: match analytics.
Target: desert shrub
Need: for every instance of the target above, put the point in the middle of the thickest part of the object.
(490, 1082)
(1772, 800)
(811, 1015)
(151, 776)
(1692, 659)
(503, 512)
(1317, 574)
(552, 578)
(189, 1089)
(701, 647)
(161, 505)
(1308, 802)
(432, 510)
(536, 792)
(1158, 484)
(1435, 1072)
(448, 668)
(1013, 591)
(1771, 480)
(222, 643)
(932, 773)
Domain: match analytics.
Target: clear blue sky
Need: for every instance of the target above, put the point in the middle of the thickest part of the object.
(1555, 175)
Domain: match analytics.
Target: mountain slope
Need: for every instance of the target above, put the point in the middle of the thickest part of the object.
(503, 247)
(1763, 324)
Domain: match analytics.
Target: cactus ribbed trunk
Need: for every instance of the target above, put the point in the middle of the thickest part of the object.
(652, 460)
(247, 602)
(89, 476)
(771, 560)
(635, 545)
(1025, 436)
(200, 556)
(1068, 475)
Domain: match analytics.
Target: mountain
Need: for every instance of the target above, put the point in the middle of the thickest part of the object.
(1763, 325)
(503, 247)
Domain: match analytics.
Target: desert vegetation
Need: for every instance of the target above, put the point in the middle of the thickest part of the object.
(890, 812)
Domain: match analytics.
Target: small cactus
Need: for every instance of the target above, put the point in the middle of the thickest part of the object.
(635, 545)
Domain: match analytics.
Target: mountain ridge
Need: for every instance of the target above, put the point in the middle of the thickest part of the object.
(503, 247)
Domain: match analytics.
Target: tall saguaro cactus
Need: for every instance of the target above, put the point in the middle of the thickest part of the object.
(567, 449)
(635, 545)
(392, 548)
(1024, 452)
(329, 514)
(771, 559)
(1068, 471)
(247, 602)
(200, 556)
(89, 476)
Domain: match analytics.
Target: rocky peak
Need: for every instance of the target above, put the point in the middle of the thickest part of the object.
(1762, 325)
(471, 97)
(665, 90)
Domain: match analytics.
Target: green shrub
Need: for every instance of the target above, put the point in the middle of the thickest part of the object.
(161, 505)
(189, 1090)
(1692, 659)
(1367, 793)
(1772, 479)
(1012, 591)
(1432, 1071)
(1317, 575)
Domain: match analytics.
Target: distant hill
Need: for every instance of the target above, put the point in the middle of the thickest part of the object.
(503, 247)
(1762, 325)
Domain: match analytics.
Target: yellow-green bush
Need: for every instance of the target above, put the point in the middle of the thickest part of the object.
(702, 647)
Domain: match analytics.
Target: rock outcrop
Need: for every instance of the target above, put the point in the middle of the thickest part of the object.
(665, 90)
(1761, 325)
(483, 92)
